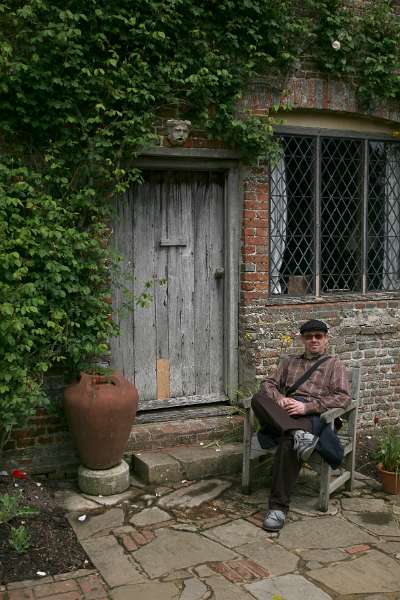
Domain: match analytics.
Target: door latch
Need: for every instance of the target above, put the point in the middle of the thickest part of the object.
(219, 273)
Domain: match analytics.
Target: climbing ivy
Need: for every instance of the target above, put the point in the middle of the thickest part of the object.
(367, 48)
(85, 86)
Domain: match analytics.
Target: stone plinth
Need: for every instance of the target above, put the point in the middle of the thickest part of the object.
(105, 482)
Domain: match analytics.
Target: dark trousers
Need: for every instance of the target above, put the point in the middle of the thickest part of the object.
(286, 467)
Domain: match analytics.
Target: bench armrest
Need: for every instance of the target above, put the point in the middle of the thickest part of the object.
(331, 414)
(245, 403)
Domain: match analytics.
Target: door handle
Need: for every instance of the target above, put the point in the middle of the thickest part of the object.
(219, 273)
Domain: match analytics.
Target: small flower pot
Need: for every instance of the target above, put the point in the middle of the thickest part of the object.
(390, 480)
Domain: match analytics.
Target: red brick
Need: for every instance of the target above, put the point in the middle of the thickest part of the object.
(357, 549)
(128, 543)
(257, 519)
(24, 594)
(240, 570)
(247, 287)
(148, 535)
(139, 538)
(257, 569)
(93, 587)
(252, 276)
(226, 571)
(59, 587)
(67, 596)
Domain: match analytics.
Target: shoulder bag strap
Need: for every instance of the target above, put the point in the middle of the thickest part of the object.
(305, 375)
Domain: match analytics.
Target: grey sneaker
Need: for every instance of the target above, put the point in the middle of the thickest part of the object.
(304, 443)
(274, 520)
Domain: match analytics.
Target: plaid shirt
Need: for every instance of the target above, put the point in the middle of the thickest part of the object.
(327, 387)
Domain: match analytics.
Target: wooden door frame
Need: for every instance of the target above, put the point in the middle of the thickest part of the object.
(202, 159)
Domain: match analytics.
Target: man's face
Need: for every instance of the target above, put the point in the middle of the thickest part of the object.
(315, 342)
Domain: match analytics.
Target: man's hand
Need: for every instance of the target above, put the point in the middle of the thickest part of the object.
(294, 407)
(283, 401)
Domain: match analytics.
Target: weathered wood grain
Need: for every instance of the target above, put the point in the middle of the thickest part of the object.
(144, 317)
(171, 232)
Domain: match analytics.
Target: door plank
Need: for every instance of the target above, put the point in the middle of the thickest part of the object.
(217, 285)
(202, 287)
(144, 317)
(122, 345)
(161, 269)
(187, 288)
(175, 305)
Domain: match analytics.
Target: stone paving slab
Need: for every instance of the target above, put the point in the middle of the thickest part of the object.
(236, 533)
(146, 591)
(149, 516)
(223, 590)
(308, 506)
(390, 547)
(378, 522)
(193, 589)
(324, 532)
(271, 556)
(173, 550)
(287, 587)
(324, 556)
(115, 499)
(194, 495)
(94, 524)
(73, 501)
(365, 505)
(108, 557)
(370, 573)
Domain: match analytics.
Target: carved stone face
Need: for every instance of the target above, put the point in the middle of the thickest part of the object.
(178, 131)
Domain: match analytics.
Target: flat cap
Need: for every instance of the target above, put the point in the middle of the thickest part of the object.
(314, 325)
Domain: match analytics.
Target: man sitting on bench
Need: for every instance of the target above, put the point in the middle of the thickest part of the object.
(301, 387)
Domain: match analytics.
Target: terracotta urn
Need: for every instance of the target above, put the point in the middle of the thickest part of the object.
(390, 480)
(101, 411)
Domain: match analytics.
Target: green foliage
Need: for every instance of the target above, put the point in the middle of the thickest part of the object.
(369, 53)
(84, 86)
(52, 273)
(20, 539)
(388, 448)
(10, 507)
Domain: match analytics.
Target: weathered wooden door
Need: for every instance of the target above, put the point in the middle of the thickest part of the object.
(170, 230)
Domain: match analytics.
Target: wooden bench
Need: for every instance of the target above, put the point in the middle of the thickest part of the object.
(347, 435)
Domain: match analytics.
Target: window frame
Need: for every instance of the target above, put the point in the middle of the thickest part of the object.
(317, 134)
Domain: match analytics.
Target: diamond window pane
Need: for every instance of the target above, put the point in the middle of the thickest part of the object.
(294, 200)
(292, 218)
(383, 258)
(341, 210)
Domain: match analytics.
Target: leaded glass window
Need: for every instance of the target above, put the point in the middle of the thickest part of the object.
(334, 216)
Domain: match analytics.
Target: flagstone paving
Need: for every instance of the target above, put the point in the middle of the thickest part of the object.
(204, 541)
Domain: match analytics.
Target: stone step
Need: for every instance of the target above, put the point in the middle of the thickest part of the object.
(187, 462)
(184, 432)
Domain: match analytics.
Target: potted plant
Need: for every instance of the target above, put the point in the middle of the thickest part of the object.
(388, 456)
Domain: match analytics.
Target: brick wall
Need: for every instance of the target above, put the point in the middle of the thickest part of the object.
(365, 330)
(362, 333)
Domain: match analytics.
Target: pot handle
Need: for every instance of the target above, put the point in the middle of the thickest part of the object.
(87, 381)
